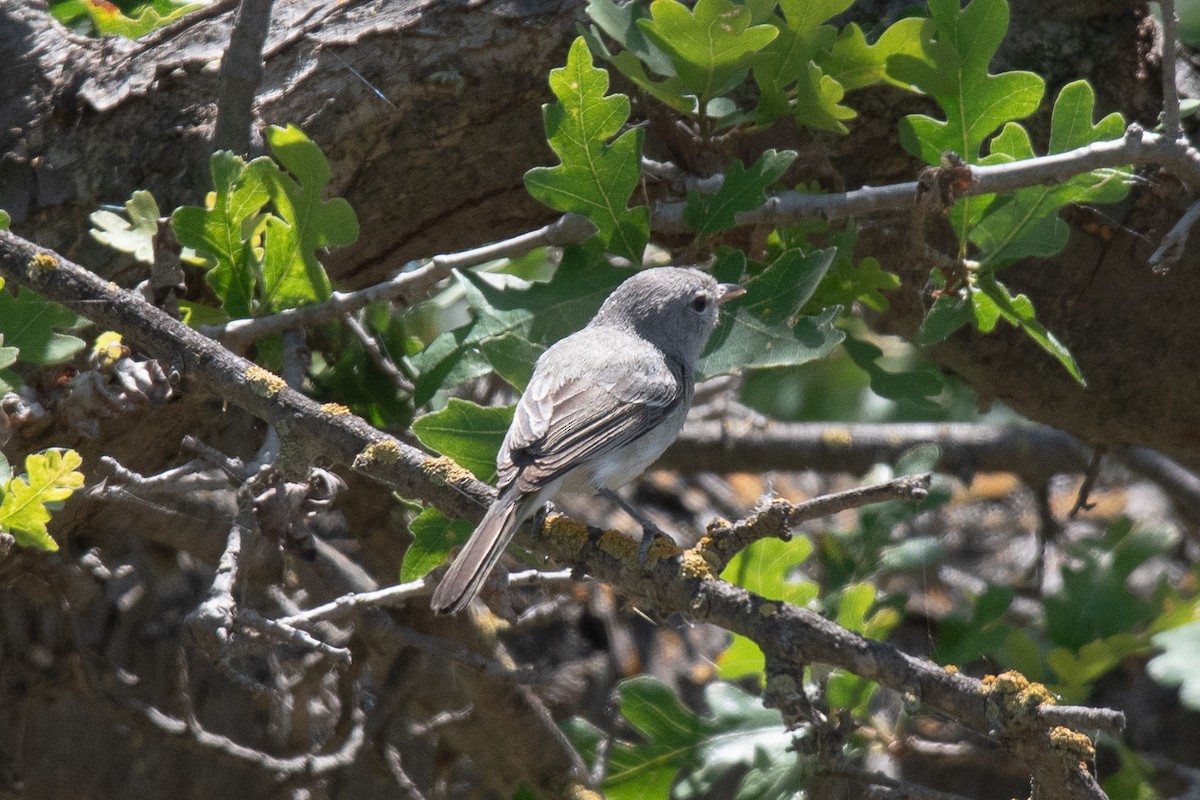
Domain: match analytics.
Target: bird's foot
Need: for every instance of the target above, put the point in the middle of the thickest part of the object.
(650, 533)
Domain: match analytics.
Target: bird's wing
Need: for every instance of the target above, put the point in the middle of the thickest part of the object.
(570, 414)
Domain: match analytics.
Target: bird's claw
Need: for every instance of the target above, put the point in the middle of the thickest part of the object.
(649, 534)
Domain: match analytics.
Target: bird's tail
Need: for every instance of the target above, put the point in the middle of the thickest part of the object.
(472, 566)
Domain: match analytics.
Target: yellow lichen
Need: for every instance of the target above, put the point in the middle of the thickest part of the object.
(263, 382)
(694, 565)
(335, 409)
(1074, 745)
(768, 610)
(951, 668)
(836, 437)
(43, 262)
(441, 470)
(1016, 693)
(383, 452)
(561, 527)
(618, 545)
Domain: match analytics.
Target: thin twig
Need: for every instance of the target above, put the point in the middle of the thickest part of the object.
(375, 352)
(399, 594)
(1137, 148)
(778, 517)
(1171, 248)
(1089, 482)
(403, 288)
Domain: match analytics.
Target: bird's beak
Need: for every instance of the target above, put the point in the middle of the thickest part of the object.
(727, 292)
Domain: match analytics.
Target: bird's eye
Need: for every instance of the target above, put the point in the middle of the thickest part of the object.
(700, 302)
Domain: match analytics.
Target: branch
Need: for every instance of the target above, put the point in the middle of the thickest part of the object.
(241, 73)
(413, 283)
(1034, 452)
(1137, 147)
(776, 520)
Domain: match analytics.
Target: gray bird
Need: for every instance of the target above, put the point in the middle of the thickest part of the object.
(602, 405)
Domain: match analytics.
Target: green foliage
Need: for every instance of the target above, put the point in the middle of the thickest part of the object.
(710, 46)
(763, 328)
(953, 68)
(26, 500)
(468, 433)
(434, 535)
(33, 326)
(135, 235)
(105, 18)
(684, 755)
(768, 568)
(5, 220)
(1094, 601)
(742, 190)
(262, 261)
(596, 177)
(696, 61)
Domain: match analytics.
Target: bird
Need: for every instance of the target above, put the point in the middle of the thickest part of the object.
(601, 406)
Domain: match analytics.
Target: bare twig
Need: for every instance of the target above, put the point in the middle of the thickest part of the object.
(1170, 249)
(399, 594)
(1137, 148)
(241, 72)
(305, 764)
(778, 517)
(375, 352)
(405, 287)
(1089, 481)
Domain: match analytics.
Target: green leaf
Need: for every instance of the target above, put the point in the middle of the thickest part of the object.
(621, 23)
(1176, 665)
(763, 328)
(110, 20)
(710, 45)
(135, 235)
(8, 357)
(504, 307)
(854, 64)
(30, 323)
(219, 233)
(1094, 601)
(434, 535)
(595, 178)
(954, 70)
(1026, 223)
(512, 357)
(50, 478)
(767, 568)
(470, 434)
(1018, 312)
(915, 386)
(740, 744)
(5, 221)
(446, 362)
(742, 190)
(315, 223)
(963, 638)
(948, 313)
